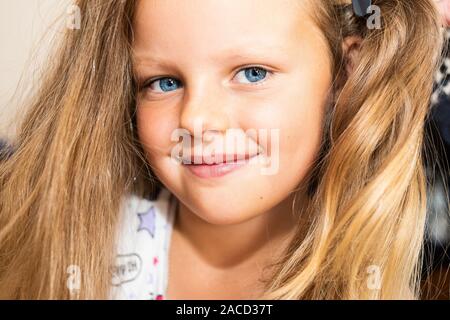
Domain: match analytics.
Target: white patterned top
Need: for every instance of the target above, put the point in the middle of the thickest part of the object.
(141, 268)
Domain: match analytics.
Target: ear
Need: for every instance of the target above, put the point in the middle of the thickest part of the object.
(350, 48)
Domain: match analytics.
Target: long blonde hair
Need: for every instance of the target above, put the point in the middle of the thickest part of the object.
(76, 155)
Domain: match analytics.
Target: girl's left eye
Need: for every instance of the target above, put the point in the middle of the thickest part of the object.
(252, 75)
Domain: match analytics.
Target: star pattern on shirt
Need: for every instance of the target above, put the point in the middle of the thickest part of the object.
(147, 221)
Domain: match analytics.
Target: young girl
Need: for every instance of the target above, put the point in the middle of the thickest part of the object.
(100, 199)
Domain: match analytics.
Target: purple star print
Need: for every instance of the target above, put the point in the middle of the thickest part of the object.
(147, 221)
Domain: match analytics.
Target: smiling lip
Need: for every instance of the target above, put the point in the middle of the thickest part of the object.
(219, 166)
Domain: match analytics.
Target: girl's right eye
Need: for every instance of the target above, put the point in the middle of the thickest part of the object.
(162, 85)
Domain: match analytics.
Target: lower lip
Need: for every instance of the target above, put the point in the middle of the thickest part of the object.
(215, 170)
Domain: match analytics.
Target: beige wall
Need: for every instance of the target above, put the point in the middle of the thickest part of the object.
(23, 23)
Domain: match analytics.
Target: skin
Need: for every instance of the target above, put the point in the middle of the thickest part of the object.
(444, 9)
(229, 228)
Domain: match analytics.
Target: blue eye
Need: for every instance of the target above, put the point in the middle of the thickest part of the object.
(165, 84)
(252, 74)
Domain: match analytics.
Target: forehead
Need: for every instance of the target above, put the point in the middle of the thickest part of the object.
(204, 27)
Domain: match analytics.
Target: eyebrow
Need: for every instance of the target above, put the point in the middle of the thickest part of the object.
(147, 59)
(262, 52)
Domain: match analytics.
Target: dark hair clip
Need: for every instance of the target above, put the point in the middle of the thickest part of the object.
(360, 7)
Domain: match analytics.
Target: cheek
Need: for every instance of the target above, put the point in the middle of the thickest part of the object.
(155, 127)
(298, 114)
(302, 131)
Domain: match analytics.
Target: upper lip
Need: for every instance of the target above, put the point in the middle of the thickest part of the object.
(217, 159)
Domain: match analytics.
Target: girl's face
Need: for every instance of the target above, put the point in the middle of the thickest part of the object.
(208, 66)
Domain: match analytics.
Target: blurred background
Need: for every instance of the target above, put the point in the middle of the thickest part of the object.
(27, 29)
(437, 140)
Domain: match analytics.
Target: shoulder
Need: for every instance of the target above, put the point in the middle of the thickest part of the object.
(159, 209)
(142, 243)
(147, 219)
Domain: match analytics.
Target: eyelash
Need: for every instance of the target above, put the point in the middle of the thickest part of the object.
(269, 73)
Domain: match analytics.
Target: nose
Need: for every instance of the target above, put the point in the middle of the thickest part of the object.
(205, 109)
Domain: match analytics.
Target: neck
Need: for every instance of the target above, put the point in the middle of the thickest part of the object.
(257, 240)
